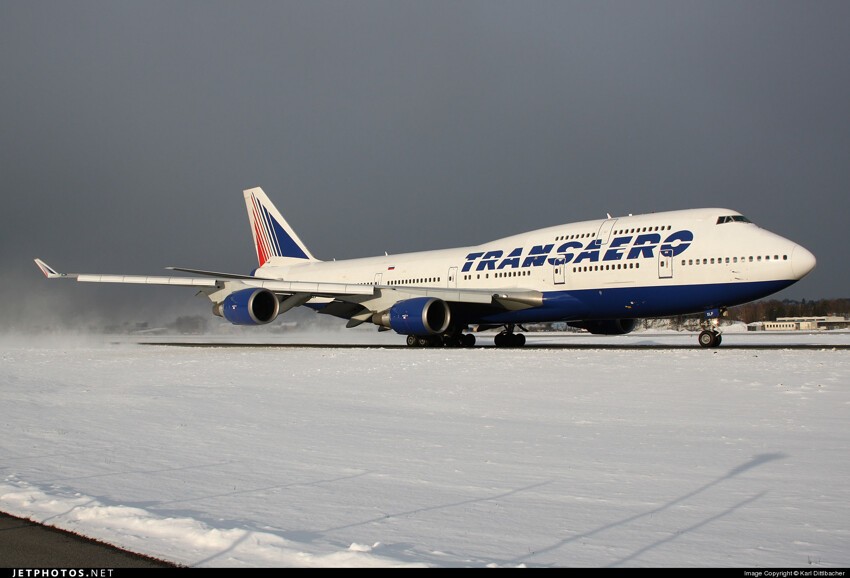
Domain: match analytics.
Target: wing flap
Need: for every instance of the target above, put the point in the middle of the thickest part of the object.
(145, 280)
(446, 294)
(512, 300)
(310, 288)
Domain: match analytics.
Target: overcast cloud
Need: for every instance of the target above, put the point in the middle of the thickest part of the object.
(129, 129)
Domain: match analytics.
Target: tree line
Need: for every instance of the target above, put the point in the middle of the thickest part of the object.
(770, 309)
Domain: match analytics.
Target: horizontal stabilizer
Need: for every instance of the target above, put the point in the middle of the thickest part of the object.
(216, 274)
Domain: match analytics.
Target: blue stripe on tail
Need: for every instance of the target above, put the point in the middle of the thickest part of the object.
(285, 246)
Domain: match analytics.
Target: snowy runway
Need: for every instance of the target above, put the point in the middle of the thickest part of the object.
(381, 457)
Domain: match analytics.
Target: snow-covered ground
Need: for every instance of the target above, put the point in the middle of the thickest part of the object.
(363, 457)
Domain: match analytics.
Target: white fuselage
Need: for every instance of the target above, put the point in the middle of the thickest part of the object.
(685, 249)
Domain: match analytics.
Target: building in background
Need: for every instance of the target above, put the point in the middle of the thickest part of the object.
(801, 324)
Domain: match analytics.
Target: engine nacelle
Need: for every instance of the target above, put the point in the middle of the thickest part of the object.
(607, 326)
(417, 316)
(249, 307)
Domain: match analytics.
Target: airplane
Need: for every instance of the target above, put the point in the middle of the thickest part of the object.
(600, 275)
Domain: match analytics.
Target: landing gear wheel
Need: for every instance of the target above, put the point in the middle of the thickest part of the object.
(509, 340)
(710, 335)
(468, 340)
(709, 338)
(412, 341)
(452, 341)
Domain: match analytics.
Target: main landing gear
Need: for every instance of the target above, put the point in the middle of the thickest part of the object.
(710, 335)
(508, 338)
(444, 340)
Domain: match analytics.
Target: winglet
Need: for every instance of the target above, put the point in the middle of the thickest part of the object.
(48, 271)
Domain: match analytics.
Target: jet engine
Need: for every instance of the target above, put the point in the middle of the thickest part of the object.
(417, 316)
(249, 307)
(607, 326)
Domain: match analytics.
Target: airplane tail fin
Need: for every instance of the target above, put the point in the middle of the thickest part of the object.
(273, 237)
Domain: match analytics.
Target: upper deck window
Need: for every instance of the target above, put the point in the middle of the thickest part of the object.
(732, 219)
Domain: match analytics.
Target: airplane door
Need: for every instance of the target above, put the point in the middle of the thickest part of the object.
(378, 278)
(560, 270)
(451, 282)
(605, 231)
(665, 264)
(740, 269)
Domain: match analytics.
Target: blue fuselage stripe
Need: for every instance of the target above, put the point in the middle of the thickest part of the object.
(638, 302)
(621, 303)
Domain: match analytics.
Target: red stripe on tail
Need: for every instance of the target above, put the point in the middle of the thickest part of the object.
(263, 252)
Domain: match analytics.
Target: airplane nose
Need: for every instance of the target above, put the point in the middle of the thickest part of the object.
(802, 261)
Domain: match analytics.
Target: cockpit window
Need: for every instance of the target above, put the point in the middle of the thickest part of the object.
(732, 219)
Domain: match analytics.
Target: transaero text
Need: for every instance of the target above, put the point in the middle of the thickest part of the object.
(619, 248)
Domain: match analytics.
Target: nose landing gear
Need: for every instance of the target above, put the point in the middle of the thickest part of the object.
(710, 335)
(709, 338)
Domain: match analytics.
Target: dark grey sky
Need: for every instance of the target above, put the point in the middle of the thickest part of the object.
(129, 129)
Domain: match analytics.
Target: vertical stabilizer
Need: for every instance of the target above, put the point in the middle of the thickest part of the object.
(273, 237)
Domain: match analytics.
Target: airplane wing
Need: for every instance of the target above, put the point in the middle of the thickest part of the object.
(363, 298)
(212, 284)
